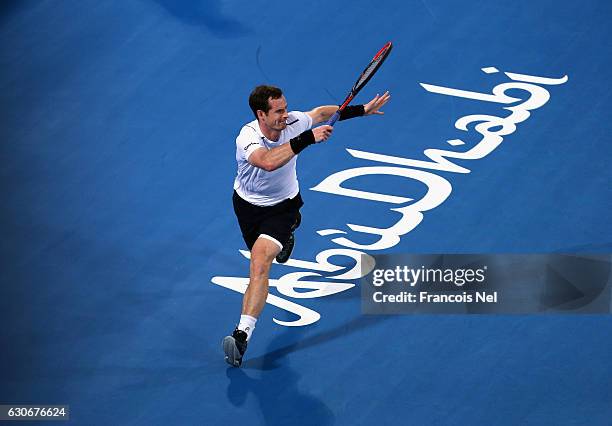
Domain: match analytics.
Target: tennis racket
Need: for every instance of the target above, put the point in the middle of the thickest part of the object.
(365, 76)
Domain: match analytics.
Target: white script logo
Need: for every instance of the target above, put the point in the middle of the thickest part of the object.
(492, 130)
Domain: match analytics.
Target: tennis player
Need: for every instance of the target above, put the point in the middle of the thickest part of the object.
(266, 195)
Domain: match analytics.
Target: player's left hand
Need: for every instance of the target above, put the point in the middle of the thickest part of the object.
(376, 104)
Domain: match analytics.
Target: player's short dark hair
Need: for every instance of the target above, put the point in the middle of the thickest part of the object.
(258, 100)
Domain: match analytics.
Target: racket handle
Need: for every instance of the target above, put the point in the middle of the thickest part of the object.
(333, 118)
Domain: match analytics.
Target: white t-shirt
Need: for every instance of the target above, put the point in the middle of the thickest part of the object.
(256, 185)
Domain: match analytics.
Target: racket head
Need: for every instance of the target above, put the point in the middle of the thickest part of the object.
(372, 67)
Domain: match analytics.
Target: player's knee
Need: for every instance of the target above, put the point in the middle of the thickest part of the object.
(261, 261)
(260, 267)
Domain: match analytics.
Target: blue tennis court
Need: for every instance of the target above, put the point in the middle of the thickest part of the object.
(123, 265)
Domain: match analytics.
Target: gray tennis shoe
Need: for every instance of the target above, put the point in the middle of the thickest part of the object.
(234, 347)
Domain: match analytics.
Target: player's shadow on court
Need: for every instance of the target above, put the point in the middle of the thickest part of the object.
(271, 360)
(277, 393)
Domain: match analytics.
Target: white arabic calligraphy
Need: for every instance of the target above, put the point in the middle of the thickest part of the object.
(493, 129)
(438, 187)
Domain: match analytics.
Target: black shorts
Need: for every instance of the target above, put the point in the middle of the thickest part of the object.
(277, 221)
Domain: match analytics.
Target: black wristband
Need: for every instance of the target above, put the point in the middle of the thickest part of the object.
(301, 141)
(352, 111)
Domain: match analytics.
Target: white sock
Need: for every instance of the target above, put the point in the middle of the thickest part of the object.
(247, 324)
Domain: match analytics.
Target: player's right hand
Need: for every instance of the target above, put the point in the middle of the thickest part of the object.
(322, 133)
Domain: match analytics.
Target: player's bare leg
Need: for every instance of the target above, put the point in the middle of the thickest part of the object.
(262, 255)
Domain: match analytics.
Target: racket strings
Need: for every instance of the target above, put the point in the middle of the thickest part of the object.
(371, 69)
(368, 71)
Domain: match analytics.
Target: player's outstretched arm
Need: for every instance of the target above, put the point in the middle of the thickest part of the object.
(324, 112)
